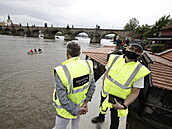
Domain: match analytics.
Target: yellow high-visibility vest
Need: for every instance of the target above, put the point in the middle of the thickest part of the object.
(76, 90)
(120, 77)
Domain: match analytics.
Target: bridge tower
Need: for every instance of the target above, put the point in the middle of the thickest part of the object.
(9, 21)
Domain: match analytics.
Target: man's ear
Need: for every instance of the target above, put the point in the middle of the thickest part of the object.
(67, 54)
(141, 53)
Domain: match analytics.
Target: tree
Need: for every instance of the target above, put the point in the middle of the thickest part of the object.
(132, 24)
(146, 31)
(143, 31)
(162, 22)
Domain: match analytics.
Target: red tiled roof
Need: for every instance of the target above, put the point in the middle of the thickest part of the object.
(167, 27)
(161, 75)
(99, 57)
(162, 69)
(167, 54)
(100, 54)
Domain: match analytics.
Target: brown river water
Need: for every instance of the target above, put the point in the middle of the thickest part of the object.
(26, 81)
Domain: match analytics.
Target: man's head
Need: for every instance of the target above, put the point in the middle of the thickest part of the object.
(135, 49)
(73, 49)
(139, 43)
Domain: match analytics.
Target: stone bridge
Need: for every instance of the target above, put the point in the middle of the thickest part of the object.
(95, 34)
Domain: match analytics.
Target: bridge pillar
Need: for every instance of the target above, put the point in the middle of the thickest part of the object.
(1, 31)
(35, 34)
(68, 36)
(20, 33)
(95, 38)
(28, 34)
(32, 34)
(49, 35)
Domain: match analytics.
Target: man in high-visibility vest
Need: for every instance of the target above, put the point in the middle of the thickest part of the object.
(122, 82)
(74, 87)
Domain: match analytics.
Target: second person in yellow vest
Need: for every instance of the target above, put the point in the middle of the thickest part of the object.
(121, 84)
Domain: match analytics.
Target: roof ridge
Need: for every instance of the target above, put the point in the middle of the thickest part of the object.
(164, 52)
(161, 60)
(163, 63)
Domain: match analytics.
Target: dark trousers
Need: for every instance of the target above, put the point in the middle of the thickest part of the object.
(114, 115)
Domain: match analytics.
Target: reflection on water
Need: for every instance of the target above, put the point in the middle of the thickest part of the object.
(26, 81)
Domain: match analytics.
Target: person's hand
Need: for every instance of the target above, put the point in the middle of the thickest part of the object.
(85, 105)
(82, 111)
(118, 105)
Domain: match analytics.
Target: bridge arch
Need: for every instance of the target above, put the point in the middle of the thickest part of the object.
(20, 32)
(20, 29)
(102, 36)
(78, 32)
(57, 31)
(8, 31)
(36, 31)
(81, 35)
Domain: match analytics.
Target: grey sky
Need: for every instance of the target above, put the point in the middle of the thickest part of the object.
(84, 13)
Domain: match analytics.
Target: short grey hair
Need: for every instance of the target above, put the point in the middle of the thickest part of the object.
(73, 48)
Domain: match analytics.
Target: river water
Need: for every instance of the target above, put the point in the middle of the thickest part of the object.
(26, 81)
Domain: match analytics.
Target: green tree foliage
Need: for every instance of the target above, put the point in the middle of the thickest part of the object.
(132, 24)
(162, 22)
(146, 31)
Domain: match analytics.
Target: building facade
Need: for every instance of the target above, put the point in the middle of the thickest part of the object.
(165, 37)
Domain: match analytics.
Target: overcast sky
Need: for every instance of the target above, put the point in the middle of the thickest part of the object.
(112, 14)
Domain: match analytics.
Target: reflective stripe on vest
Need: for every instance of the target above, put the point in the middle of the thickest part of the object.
(68, 76)
(70, 81)
(125, 86)
(114, 60)
(60, 106)
(133, 74)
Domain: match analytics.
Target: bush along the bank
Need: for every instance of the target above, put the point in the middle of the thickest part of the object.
(156, 48)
